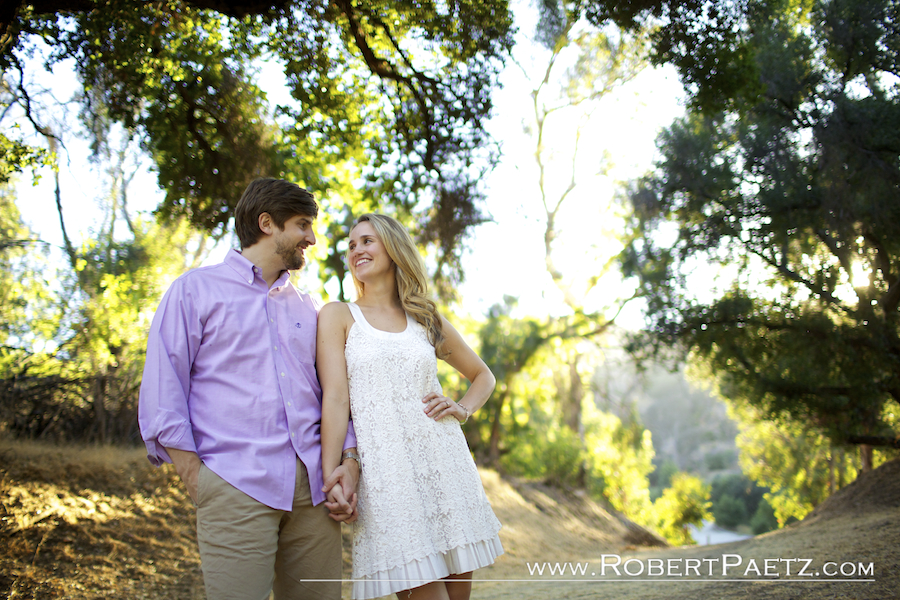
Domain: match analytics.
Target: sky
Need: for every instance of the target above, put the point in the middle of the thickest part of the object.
(504, 257)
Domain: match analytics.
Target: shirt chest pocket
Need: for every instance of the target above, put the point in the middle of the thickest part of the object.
(301, 342)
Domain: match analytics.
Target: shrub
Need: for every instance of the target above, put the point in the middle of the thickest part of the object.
(763, 519)
(730, 512)
(683, 504)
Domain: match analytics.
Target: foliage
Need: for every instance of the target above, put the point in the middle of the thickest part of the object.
(72, 363)
(735, 499)
(16, 156)
(391, 97)
(763, 520)
(729, 512)
(616, 457)
(30, 312)
(800, 466)
(620, 457)
(24, 294)
(523, 427)
(552, 453)
(785, 179)
(721, 460)
(683, 504)
(509, 347)
(120, 284)
(706, 41)
(661, 477)
(85, 384)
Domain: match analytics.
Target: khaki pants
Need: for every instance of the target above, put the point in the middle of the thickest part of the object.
(248, 549)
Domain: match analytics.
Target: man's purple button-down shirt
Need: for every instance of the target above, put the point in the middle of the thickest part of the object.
(230, 374)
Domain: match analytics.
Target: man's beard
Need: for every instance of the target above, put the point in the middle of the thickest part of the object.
(293, 259)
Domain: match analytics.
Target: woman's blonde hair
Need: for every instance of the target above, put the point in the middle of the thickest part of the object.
(411, 277)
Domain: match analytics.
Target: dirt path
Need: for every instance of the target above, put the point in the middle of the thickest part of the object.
(857, 530)
(88, 523)
(868, 539)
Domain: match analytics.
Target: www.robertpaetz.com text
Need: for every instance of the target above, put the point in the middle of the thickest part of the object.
(732, 566)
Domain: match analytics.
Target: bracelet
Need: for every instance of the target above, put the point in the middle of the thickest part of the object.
(352, 456)
(466, 410)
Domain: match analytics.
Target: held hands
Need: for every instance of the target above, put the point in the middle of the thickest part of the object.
(340, 491)
(437, 407)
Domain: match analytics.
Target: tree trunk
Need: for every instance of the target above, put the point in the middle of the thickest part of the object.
(572, 400)
(865, 457)
(831, 478)
(572, 413)
(99, 394)
(494, 443)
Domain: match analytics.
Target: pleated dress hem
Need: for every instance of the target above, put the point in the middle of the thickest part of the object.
(433, 567)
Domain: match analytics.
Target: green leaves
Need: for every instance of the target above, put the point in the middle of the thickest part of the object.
(403, 90)
(390, 98)
(15, 157)
(168, 72)
(683, 504)
(790, 195)
(25, 299)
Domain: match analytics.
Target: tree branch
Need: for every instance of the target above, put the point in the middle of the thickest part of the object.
(793, 276)
(386, 70)
(20, 243)
(873, 440)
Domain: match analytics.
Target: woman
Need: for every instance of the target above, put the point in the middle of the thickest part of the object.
(424, 521)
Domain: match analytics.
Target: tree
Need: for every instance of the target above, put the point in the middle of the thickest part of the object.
(72, 355)
(575, 68)
(786, 179)
(683, 504)
(389, 100)
(24, 296)
(508, 346)
(117, 278)
(390, 94)
(800, 467)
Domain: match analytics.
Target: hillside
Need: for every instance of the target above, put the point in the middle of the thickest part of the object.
(96, 523)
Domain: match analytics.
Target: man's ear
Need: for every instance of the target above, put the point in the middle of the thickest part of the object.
(266, 224)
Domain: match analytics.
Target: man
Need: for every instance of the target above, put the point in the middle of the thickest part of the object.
(230, 396)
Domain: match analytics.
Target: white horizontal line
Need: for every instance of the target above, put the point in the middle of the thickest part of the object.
(547, 580)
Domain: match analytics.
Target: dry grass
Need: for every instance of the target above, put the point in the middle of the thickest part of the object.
(101, 522)
(93, 523)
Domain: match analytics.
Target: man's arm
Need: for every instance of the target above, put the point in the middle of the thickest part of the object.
(172, 345)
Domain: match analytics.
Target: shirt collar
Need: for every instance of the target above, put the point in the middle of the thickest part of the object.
(247, 271)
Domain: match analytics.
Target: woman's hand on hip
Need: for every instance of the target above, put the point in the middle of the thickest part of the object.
(437, 407)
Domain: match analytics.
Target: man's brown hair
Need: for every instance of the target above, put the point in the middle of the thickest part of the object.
(281, 199)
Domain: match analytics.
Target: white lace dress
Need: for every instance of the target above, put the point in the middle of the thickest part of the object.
(423, 513)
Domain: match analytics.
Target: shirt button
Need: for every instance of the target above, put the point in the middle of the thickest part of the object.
(282, 374)
(292, 435)
(276, 347)
(249, 281)
(289, 404)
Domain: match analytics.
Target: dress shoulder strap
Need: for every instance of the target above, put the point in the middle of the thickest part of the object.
(360, 319)
(356, 313)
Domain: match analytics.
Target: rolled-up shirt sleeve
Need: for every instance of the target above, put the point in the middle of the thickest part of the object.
(350, 440)
(163, 412)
